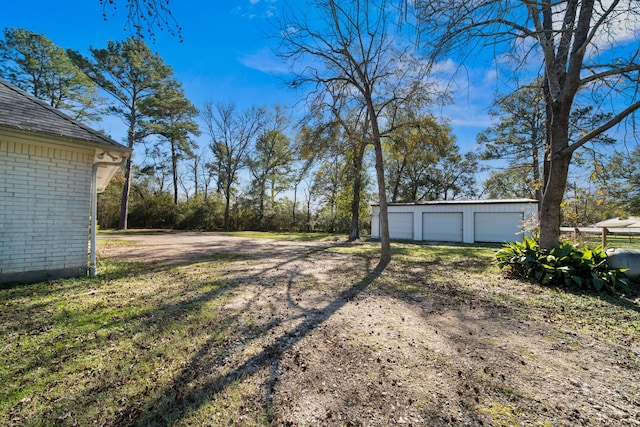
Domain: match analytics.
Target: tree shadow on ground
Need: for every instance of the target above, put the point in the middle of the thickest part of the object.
(242, 326)
(191, 388)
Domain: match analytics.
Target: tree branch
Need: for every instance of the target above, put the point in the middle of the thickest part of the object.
(602, 128)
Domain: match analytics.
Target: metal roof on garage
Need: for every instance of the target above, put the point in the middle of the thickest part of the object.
(461, 202)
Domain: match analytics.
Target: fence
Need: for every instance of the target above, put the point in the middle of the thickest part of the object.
(580, 234)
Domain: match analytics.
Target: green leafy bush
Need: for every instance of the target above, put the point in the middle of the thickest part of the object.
(200, 213)
(568, 265)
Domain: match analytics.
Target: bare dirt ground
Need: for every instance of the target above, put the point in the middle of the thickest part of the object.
(333, 341)
(175, 248)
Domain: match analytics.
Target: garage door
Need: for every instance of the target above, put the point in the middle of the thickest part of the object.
(497, 227)
(401, 225)
(442, 226)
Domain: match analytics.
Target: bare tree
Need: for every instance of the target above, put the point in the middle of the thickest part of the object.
(231, 132)
(585, 47)
(144, 16)
(348, 48)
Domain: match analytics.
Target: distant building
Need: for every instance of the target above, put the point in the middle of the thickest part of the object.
(51, 168)
(464, 221)
(629, 222)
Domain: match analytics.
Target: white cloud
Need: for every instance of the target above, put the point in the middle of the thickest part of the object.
(264, 60)
(264, 9)
(620, 27)
(446, 66)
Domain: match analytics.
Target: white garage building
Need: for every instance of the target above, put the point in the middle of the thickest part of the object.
(486, 221)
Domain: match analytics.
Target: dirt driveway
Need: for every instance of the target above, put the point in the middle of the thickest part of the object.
(176, 247)
(325, 341)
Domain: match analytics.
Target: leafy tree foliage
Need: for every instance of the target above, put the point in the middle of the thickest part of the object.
(311, 144)
(453, 177)
(585, 204)
(172, 118)
(590, 196)
(304, 161)
(329, 179)
(108, 212)
(518, 138)
(201, 213)
(270, 167)
(511, 183)
(340, 140)
(423, 163)
(132, 75)
(354, 142)
(624, 171)
(35, 64)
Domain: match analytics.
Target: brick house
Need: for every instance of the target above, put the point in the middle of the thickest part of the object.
(51, 168)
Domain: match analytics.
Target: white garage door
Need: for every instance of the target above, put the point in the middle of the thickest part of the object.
(401, 225)
(497, 227)
(442, 226)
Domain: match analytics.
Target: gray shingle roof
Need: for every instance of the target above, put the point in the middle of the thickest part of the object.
(21, 111)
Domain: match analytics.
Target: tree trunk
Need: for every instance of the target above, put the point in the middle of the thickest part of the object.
(262, 189)
(385, 241)
(174, 171)
(550, 211)
(309, 214)
(395, 186)
(227, 204)
(219, 187)
(295, 203)
(556, 173)
(124, 203)
(354, 233)
(332, 225)
(126, 190)
(536, 171)
(396, 182)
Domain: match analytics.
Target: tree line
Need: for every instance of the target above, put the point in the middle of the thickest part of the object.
(260, 170)
(370, 73)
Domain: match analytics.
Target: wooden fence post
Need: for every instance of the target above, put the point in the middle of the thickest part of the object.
(604, 237)
(576, 234)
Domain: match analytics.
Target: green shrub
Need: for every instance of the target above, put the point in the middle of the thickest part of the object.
(568, 265)
(200, 213)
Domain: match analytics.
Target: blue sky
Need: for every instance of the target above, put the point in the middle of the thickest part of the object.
(225, 56)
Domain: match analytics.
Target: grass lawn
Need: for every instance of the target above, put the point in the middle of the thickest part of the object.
(294, 237)
(613, 240)
(316, 337)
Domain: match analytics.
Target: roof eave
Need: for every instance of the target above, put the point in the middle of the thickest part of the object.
(67, 140)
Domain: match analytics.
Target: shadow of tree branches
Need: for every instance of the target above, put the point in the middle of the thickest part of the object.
(190, 389)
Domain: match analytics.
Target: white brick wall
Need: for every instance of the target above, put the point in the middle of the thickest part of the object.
(44, 209)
